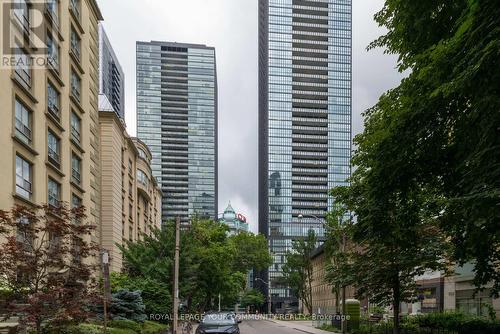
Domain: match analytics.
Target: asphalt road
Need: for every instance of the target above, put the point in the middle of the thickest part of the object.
(266, 327)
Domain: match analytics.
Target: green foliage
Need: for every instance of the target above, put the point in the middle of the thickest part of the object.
(250, 251)
(83, 329)
(298, 269)
(427, 162)
(211, 263)
(252, 298)
(126, 324)
(437, 133)
(127, 305)
(466, 324)
(155, 293)
(151, 327)
(117, 327)
(120, 331)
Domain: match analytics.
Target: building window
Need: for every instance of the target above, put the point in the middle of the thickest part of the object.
(54, 148)
(53, 100)
(142, 178)
(76, 125)
(23, 122)
(22, 13)
(76, 85)
(23, 178)
(76, 202)
(75, 8)
(52, 7)
(130, 166)
(53, 52)
(54, 192)
(22, 68)
(75, 43)
(143, 154)
(76, 169)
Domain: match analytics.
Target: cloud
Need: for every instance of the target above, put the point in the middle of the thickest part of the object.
(231, 27)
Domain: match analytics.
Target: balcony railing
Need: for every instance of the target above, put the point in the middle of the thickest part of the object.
(75, 49)
(23, 131)
(24, 185)
(54, 200)
(76, 176)
(23, 20)
(25, 76)
(51, 10)
(75, 134)
(75, 91)
(54, 156)
(54, 109)
(74, 5)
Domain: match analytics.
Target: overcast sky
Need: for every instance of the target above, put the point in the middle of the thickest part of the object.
(231, 27)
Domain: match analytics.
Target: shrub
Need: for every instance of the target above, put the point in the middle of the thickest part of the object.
(464, 324)
(120, 331)
(83, 329)
(155, 294)
(127, 305)
(150, 327)
(126, 324)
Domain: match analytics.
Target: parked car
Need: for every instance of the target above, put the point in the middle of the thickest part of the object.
(219, 323)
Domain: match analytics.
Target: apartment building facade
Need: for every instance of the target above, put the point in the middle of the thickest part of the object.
(304, 123)
(177, 119)
(131, 197)
(50, 132)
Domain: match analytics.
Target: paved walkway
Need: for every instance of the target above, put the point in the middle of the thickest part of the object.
(301, 326)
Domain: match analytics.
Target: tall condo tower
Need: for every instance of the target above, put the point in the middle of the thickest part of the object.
(304, 123)
(177, 120)
(111, 77)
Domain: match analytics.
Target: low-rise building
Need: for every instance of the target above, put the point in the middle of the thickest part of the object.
(235, 221)
(324, 299)
(131, 197)
(461, 295)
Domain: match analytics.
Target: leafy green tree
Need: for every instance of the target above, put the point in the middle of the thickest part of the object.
(211, 264)
(252, 298)
(298, 268)
(392, 243)
(427, 161)
(250, 251)
(437, 133)
(156, 294)
(339, 235)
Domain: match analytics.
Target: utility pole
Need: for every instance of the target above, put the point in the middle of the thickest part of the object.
(106, 285)
(175, 324)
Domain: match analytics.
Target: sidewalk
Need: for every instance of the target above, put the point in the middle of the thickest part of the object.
(301, 326)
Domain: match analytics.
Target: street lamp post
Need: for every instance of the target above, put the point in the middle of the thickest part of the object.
(269, 301)
(342, 244)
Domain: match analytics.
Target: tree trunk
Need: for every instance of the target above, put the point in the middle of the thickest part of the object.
(337, 298)
(39, 327)
(396, 306)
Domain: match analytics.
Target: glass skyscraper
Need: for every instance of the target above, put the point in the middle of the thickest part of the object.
(177, 119)
(304, 123)
(111, 76)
